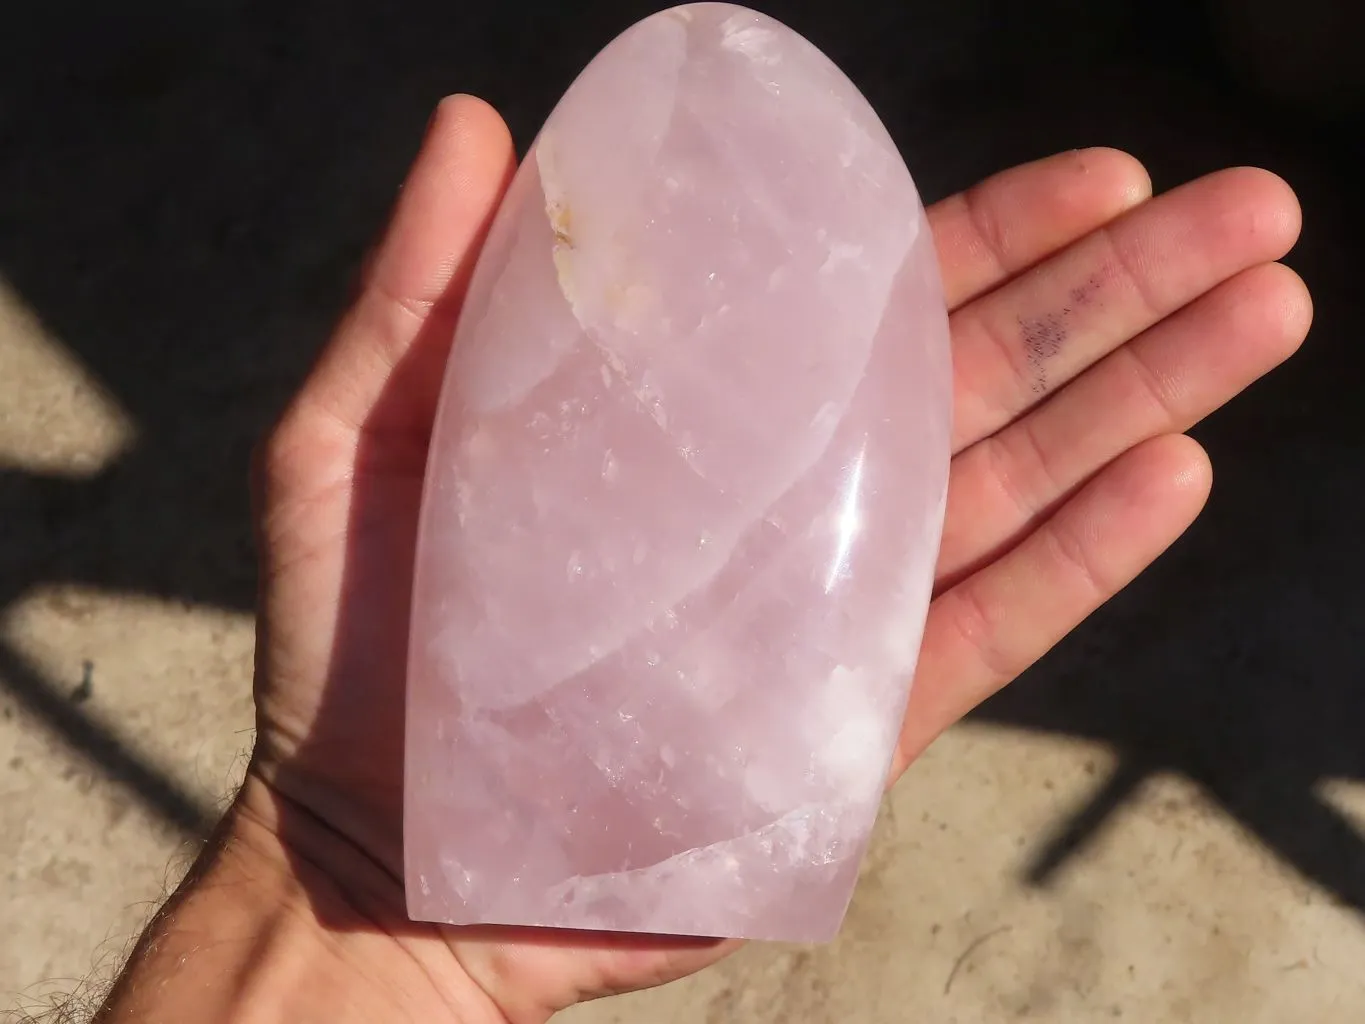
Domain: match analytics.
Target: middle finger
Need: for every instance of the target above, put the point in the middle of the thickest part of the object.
(1031, 335)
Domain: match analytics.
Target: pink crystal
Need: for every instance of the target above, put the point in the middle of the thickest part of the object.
(683, 503)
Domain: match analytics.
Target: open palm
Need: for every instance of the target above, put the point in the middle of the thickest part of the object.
(1091, 325)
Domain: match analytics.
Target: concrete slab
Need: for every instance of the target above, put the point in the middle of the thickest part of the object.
(1172, 914)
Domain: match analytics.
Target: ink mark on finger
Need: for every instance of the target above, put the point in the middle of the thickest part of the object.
(1044, 336)
(1085, 291)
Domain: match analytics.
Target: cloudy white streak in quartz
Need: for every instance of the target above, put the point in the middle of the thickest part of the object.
(674, 895)
(683, 503)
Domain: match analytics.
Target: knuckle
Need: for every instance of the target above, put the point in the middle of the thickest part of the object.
(974, 622)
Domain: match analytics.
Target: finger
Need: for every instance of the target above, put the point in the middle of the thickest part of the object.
(1015, 218)
(1162, 382)
(1040, 330)
(416, 278)
(993, 625)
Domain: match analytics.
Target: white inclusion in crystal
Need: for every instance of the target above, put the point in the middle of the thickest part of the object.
(458, 878)
(808, 835)
(849, 520)
(770, 791)
(609, 467)
(826, 418)
(750, 40)
(849, 759)
(840, 252)
(846, 753)
(648, 394)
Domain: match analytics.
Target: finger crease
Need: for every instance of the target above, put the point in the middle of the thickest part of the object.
(419, 308)
(1150, 383)
(1071, 550)
(1012, 353)
(1125, 264)
(1047, 483)
(973, 624)
(1001, 459)
(987, 228)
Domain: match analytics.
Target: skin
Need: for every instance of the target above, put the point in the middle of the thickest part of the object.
(1092, 324)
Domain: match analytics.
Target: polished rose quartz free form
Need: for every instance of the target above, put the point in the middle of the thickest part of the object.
(683, 503)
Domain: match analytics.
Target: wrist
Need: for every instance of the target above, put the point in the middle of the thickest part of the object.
(265, 932)
(353, 908)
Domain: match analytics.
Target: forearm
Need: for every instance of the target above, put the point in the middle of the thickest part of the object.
(256, 935)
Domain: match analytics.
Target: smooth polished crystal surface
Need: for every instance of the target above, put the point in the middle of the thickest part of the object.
(683, 503)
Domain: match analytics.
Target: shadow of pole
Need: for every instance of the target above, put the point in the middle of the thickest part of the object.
(1084, 825)
(100, 743)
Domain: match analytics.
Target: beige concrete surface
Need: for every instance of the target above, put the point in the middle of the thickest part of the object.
(83, 861)
(1171, 915)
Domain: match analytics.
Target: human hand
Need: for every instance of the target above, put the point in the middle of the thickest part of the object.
(1090, 325)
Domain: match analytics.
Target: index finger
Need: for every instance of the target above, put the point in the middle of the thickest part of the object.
(413, 284)
(1011, 220)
